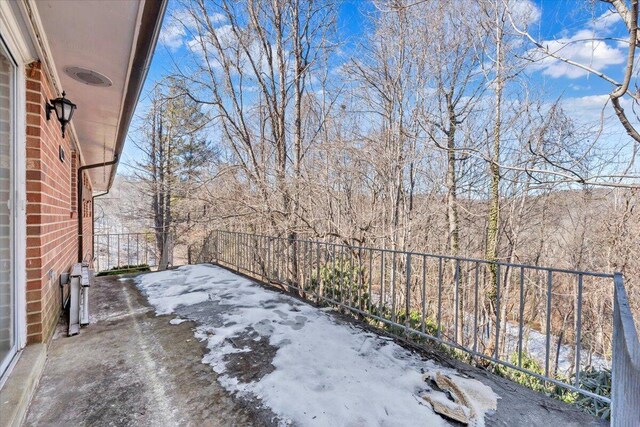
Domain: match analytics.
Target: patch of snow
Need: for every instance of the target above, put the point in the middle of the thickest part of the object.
(177, 321)
(326, 372)
(110, 315)
(170, 289)
(535, 345)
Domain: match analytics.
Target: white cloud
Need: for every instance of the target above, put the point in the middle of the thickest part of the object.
(176, 29)
(605, 22)
(594, 54)
(580, 87)
(588, 108)
(524, 12)
(172, 35)
(202, 46)
(595, 112)
(586, 46)
(217, 18)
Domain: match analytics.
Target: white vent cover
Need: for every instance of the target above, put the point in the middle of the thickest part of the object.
(89, 77)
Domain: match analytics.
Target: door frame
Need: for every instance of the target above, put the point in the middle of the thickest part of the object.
(15, 39)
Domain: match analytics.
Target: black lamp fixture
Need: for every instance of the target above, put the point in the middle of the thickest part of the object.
(64, 110)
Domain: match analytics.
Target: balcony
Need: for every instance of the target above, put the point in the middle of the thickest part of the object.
(369, 332)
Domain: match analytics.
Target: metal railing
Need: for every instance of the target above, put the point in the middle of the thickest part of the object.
(120, 251)
(625, 385)
(549, 323)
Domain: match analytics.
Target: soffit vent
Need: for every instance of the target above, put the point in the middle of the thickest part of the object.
(88, 77)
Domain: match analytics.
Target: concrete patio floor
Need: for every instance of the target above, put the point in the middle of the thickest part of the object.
(130, 367)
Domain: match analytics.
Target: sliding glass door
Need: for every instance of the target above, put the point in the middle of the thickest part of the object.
(8, 299)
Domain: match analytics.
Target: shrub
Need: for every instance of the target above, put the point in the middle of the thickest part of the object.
(129, 268)
(592, 380)
(528, 363)
(598, 382)
(415, 321)
(339, 281)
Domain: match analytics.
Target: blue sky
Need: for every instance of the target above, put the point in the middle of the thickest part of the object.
(556, 22)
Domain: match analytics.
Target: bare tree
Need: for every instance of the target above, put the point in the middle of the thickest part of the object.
(174, 151)
(256, 64)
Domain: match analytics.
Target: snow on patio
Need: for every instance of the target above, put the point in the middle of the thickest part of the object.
(321, 371)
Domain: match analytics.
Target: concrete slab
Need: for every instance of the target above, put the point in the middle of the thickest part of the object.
(17, 391)
(131, 367)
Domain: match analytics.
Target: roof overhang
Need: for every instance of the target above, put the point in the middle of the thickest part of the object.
(115, 39)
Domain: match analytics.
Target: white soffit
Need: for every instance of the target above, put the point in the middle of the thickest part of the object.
(101, 36)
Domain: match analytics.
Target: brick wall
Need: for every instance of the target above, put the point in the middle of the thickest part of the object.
(52, 245)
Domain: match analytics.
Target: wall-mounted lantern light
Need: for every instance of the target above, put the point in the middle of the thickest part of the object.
(64, 110)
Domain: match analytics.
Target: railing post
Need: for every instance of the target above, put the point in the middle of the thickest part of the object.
(96, 254)
(214, 248)
(578, 328)
(496, 351)
(424, 293)
(625, 381)
(369, 298)
(521, 317)
(394, 267)
(456, 321)
(318, 276)
(475, 308)
(548, 324)
(382, 277)
(439, 330)
(268, 272)
(407, 296)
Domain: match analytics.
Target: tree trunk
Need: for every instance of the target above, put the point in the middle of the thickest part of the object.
(493, 219)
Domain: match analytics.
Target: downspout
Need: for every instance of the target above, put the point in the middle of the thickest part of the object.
(93, 216)
(81, 169)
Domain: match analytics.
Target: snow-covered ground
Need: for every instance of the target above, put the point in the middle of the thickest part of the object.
(536, 344)
(324, 371)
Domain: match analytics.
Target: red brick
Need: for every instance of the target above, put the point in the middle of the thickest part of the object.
(51, 222)
(34, 306)
(33, 85)
(34, 328)
(34, 338)
(34, 318)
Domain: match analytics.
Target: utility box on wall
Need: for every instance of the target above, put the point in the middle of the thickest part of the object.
(81, 278)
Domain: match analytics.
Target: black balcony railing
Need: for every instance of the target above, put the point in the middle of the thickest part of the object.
(550, 324)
